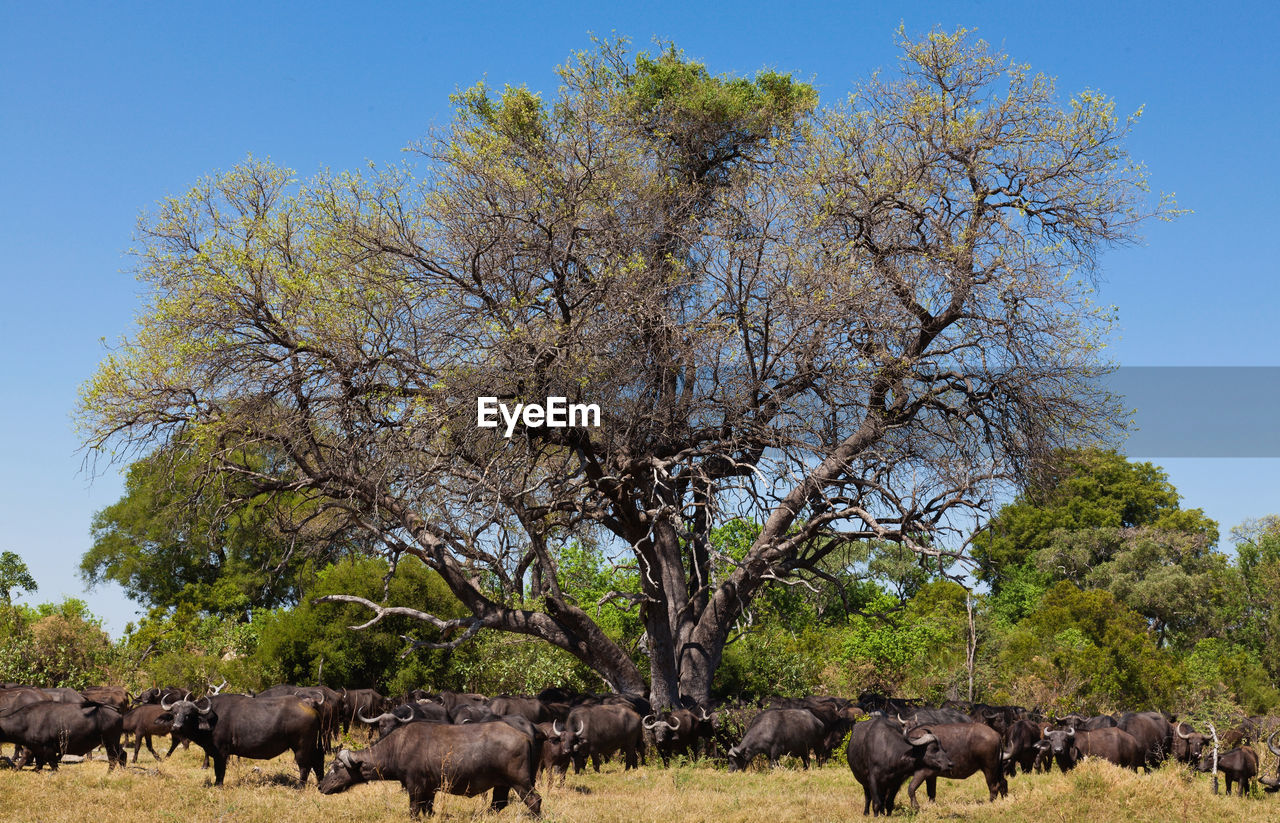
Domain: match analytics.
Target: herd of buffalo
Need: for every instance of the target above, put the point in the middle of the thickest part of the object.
(468, 743)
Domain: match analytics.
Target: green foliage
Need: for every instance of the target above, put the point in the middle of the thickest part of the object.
(182, 538)
(183, 647)
(1258, 562)
(496, 663)
(589, 578)
(709, 121)
(14, 574)
(312, 642)
(53, 644)
(1037, 539)
(1218, 670)
(1169, 577)
(1084, 650)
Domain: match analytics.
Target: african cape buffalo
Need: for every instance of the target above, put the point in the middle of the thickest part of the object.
(1238, 765)
(259, 728)
(429, 757)
(972, 747)
(599, 731)
(48, 730)
(776, 732)
(881, 755)
(1113, 744)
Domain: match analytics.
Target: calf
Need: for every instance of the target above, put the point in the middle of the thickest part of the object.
(144, 721)
(1238, 765)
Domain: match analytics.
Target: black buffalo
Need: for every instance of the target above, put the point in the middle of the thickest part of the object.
(429, 757)
(259, 728)
(530, 708)
(1188, 744)
(678, 732)
(48, 729)
(776, 732)
(361, 701)
(145, 721)
(972, 747)
(881, 755)
(599, 731)
(1153, 732)
(328, 702)
(410, 712)
(1020, 746)
(1272, 784)
(1068, 746)
(1238, 765)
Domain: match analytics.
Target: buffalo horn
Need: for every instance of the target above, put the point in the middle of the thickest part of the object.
(165, 706)
(922, 741)
(646, 722)
(373, 720)
(1271, 743)
(1178, 728)
(1071, 731)
(555, 727)
(398, 716)
(705, 715)
(319, 697)
(578, 731)
(344, 757)
(208, 704)
(674, 723)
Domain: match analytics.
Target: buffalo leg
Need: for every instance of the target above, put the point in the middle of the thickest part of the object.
(501, 797)
(421, 797)
(219, 766)
(531, 799)
(996, 784)
(931, 787)
(915, 783)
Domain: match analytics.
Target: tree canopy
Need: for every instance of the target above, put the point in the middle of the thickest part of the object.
(181, 537)
(14, 575)
(844, 323)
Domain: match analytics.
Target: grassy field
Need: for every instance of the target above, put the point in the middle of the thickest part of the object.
(178, 791)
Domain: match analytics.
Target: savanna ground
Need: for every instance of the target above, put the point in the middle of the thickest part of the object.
(178, 791)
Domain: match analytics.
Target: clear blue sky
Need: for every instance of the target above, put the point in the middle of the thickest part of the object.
(107, 107)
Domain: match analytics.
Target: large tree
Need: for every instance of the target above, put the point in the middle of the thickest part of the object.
(844, 323)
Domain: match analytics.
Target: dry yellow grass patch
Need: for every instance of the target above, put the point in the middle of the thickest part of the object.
(178, 791)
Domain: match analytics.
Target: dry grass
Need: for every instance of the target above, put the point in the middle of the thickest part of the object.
(178, 791)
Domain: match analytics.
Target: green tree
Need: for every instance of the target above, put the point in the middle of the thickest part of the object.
(1257, 544)
(181, 536)
(14, 575)
(313, 642)
(1088, 497)
(54, 644)
(845, 323)
(1084, 650)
